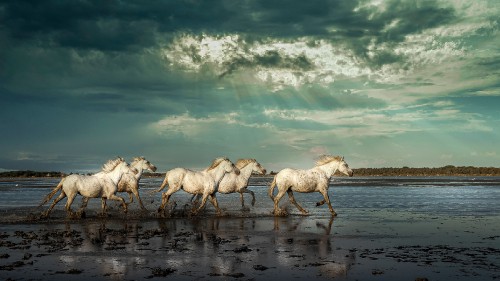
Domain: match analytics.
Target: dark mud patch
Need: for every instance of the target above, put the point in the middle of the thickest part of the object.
(70, 271)
(161, 272)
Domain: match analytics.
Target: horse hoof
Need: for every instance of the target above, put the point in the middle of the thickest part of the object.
(82, 214)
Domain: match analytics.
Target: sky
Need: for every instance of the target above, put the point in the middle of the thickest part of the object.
(382, 83)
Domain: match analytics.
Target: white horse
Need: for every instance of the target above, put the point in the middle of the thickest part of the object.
(232, 182)
(315, 179)
(103, 184)
(130, 181)
(204, 182)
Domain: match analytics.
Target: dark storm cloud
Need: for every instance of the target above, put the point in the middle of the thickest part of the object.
(108, 25)
(272, 59)
(117, 25)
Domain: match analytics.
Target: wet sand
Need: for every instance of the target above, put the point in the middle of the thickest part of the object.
(359, 244)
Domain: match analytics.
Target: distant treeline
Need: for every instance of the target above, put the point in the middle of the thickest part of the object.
(360, 172)
(415, 172)
(31, 174)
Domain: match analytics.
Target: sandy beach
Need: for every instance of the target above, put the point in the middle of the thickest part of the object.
(361, 243)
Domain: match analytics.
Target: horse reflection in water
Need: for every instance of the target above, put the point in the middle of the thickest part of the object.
(203, 182)
(297, 245)
(99, 238)
(316, 179)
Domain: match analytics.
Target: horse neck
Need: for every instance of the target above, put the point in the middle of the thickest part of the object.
(217, 174)
(140, 170)
(116, 174)
(245, 174)
(330, 168)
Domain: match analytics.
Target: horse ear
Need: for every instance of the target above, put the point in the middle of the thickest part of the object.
(342, 158)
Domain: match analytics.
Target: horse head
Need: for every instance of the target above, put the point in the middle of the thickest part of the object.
(344, 168)
(251, 164)
(258, 168)
(141, 163)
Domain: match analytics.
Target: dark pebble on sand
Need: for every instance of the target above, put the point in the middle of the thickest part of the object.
(158, 271)
(260, 267)
(242, 249)
(70, 271)
(235, 275)
(315, 264)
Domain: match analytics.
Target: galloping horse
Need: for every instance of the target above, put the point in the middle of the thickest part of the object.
(130, 182)
(315, 179)
(232, 182)
(102, 184)
(204, 182)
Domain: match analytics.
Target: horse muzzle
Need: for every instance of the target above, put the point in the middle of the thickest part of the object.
(153, 168)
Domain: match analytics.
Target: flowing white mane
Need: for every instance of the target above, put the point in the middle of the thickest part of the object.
(242, 163)
(111, 164)
(216, 163)
(137, 159)
(325, 159)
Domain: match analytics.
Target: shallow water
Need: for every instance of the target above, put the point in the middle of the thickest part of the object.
(387, 229)
(461, 196)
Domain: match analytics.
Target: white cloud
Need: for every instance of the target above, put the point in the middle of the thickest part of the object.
(321, 61)
(386, 121)
(192, 127)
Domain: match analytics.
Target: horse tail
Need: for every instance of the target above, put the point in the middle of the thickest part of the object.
(52, 193)
(164, 183)
(271, 188)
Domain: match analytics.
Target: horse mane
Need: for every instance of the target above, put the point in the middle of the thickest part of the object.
(111, 164)
(242, 163)
(216, 163)
(137, 159)
(325, 159)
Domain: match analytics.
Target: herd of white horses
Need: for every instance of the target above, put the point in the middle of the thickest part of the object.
(222, 176)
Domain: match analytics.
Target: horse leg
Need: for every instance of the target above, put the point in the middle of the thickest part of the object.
(327, 200)
(241, 199)
(277, 200)
(213, 200)
(59, 198)
(130, 197)
(203, 202)
(103, 206)
(192, 197)
(292, 199)
(320, 203)
(85, 201)
(136, 193)
(251, 193)
(71, 197)
(166, 196)
(118, 198)
(164, 201)
(197, 200)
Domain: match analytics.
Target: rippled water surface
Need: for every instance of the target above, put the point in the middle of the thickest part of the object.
(464, 196)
